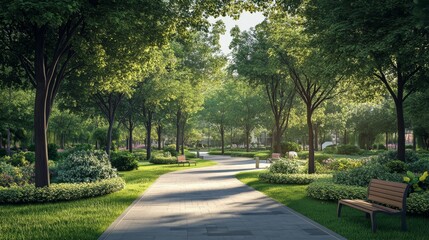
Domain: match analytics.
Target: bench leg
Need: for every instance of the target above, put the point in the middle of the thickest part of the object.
(403, 222)
(339, 210)
(373, 222)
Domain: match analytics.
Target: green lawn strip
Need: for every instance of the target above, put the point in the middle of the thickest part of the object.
(353, 224)
(82, 219)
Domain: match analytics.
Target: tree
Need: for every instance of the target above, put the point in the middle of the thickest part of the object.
(315, 79)
(46, 38)
(374, 38)
(252, 60)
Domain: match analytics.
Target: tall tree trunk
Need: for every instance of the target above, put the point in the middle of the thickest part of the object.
(387, 140)
(40, 135)
(222, 138)
(316, 137)
(401, 128)
(109, 137)
(130, 140)
(247, 139)
(148, 126)
(311, 165)
(159, 132)
(178, 117)
(8, 142)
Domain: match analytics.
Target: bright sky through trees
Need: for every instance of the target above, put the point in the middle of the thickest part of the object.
(245, 22)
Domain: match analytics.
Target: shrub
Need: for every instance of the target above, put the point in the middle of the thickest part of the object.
(319, 168)
(284, 166)
(85, 166)
(396, 166)
(171, 149)
(291, 178)
(321, 157)
(243, 154)
(10, 175)
(330, 149)
(327, 190)
(417, 183)
(290, 146)
(124, 161)
(190, 155)
(53, 151)
(162, 160)
(379, 146)
(361, 176)
(418, 203)
(262, 155)
(60, 192)
(419, 166)
(348, 149)
(83, 147)
(140, 156)
(342, 164)
(18, 159)
(30, 156)
(385, 157)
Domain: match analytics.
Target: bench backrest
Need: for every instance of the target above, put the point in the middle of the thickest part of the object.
(389, 193)
(181, 158)
(275, 156)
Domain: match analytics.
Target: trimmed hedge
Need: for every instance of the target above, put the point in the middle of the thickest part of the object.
(361, 176)
(281, 178)
(243, 154)
(60, 191)
(162, 160)
(417, 203)
(348, 149)
(327, 190)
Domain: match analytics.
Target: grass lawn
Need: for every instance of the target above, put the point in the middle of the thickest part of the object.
(353, 224)
(81, 219)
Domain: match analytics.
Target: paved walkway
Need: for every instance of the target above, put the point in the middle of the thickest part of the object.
(210, 203)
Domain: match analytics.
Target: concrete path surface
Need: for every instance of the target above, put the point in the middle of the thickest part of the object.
(210, 203)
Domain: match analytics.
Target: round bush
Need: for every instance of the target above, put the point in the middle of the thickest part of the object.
(171, 149)
(348, 149)
(60, 191)
(85, 166)
(396, 166)
(330, 149)
(361, 176)
(284, 166)
(281, 178)
(124, 161)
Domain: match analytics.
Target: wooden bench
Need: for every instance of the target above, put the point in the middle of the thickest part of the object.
(382, 195)
(274, 157)
(182, 160)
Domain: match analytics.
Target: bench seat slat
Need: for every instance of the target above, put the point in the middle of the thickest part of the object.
(368, 207)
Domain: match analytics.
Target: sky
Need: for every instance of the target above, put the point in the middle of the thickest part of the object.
(245, 22)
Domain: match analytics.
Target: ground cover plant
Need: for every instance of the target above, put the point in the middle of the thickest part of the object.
(81, 219)
(324, 212)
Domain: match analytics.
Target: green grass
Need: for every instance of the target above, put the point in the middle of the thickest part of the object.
(82, 219)
(353, 224)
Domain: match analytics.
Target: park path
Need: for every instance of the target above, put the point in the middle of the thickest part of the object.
(210, 203)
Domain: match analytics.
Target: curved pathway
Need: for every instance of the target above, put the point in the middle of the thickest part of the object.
(210, 203)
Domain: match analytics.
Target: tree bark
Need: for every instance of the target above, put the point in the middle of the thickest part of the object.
(148, 137)
(178, 117)
(311, 165)
(316, 137)
(130, 138)
(109, 136)
(222, 138)
(159, 132)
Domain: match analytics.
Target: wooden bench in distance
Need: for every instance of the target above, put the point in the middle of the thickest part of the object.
(274, 157)
(182, 160)
(381, 194)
